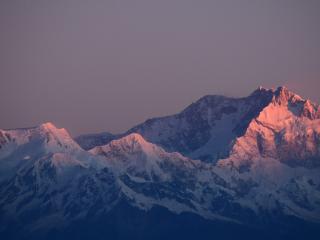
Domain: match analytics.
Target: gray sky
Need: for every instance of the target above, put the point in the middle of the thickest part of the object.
(93, 66)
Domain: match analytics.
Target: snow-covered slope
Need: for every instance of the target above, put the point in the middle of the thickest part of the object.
(252, 160)
(150, 176)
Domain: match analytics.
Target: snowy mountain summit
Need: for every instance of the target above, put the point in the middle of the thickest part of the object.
(213, 127)
(222, 163)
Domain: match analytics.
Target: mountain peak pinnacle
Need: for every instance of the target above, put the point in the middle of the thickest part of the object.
(48, 125)
(282, 90)
(134, 138)
(283, 95)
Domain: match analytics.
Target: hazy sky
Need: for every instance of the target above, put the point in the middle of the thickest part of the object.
(107, 65)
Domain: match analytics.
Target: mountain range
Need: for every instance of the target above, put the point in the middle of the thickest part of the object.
(222, 168)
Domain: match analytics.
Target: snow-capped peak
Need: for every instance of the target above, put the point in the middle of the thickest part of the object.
(57, 137)
(48, 125)
(136, 137)
(286, 129)
(46, 136)
(299, 106)
(282, 96)
(134, 155)
(133, 142)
